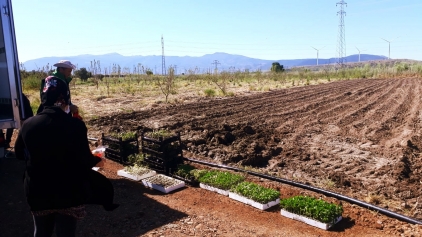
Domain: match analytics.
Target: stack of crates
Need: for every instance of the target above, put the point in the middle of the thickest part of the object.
(119, 150)
(162, 155)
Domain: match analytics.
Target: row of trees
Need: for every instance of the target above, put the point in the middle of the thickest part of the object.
(95, 71)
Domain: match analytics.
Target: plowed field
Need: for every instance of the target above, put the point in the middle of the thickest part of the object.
(360, 138)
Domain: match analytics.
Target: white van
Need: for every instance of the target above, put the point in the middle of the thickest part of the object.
(11, 108)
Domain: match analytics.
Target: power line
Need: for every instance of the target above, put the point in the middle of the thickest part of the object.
(216, 62)
(163, 59)
(341, 47)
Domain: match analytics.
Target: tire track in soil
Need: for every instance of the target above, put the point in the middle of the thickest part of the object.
(334, 108)
(394, 106)
(253, 103)
(405, 170)
(257, 104)
(309, 108)
(317, 132)
(346, 102)
(354, 119)
(348, 152)
(313, 109)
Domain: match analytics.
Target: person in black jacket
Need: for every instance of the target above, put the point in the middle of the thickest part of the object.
(58, 176)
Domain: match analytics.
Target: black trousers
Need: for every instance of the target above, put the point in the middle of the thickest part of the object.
(65, 225)
(9, 133)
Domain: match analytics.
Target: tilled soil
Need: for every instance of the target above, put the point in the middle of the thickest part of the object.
(360, 138)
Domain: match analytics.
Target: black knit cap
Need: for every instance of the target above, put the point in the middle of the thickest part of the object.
(55, 90)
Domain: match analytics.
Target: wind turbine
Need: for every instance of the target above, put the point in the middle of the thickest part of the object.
(389, 42)
(359, 52)
(317, 54)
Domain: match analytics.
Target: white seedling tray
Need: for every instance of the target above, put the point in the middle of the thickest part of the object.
(134, 176)
(309, 221)
(253, 203)
(214, 189)
(148, 183)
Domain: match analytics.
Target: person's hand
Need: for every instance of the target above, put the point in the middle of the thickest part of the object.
(73, 109)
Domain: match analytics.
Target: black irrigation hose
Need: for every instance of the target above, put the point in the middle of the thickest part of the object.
(318, 190)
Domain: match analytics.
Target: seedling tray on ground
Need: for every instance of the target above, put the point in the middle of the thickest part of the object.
(309, 221)
(163, 183)
(214, 189)
(253, 203)
(136, 177)
(191, 182)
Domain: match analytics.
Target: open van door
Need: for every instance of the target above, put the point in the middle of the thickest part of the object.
(11, 110)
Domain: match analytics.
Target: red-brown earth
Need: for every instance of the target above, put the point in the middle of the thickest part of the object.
(359, 138)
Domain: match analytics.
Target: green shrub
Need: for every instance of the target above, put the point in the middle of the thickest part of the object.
(209, 92)
(31, 82)
(256, 192)
(230, 94)
(317, 209)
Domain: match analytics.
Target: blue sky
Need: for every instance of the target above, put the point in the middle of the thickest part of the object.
(265, 29)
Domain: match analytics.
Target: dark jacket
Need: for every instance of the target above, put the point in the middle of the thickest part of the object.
(59, 161)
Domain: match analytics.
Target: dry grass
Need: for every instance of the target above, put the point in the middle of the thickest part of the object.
(374, 199)
(128, 96)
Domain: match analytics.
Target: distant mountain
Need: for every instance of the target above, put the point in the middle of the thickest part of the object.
(203, 63)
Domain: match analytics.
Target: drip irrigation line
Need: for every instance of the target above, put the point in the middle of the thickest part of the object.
(317, 190)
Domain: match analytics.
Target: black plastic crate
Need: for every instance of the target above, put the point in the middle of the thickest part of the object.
(161, 154)
(119, 150)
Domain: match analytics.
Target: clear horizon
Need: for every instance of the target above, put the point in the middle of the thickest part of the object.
(269, 30)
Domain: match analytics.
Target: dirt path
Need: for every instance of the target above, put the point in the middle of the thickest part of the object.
(188, 212)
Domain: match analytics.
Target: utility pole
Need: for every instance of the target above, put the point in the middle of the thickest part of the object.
(341, 47)
(163, 59)
(317, 54)
(216, 62)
